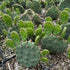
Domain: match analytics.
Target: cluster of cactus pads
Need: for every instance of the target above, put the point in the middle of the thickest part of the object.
(27, 53)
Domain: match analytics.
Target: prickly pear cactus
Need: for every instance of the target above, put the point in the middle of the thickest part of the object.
(2, 26)
(7, 19)
(38, 31)
(54, 44)
(48, 19)
(25, 17)
(67, 30)
(64, 16)
(36, 7)
(64, 4)
(29, 58)
(36, 19)
(53, 11)
(21, 9)
(48, 27)
(57, 29)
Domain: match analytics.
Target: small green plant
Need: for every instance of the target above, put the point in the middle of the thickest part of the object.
(38, 31)
(21, 24)
(64, 17)
(43, 55)
(48, 27)
(48, 19)
(8, 11)
(55, 45)
(25, 17)
(63, 32)
(53, 12)
(23, 34)
(15, 37)
(29, 12)
(21, 9)
(28, 4)
(36, 19)
(30, 32)
(37, 40)
(10, 43)
(36, 7)
(7, 19)
(57, 29)
(67, 9)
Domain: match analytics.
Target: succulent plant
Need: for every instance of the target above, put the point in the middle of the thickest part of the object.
(57, 46)
(36, 7)
(57, 29)
(29, 12)
(38, 31)
(7, 19)
(43, 54)
(10, 43)
(15, 37)
(23, 34)
(64, 4)
(29, 24)
(28, 4)
(36, 19)
(63, 32)
(25, 17)
(67, 33)
(48, 27)
(29, 58)
(30, 32)
(48, 19)
(37, 40)
(64, 17)
(49, 5)
(53, 11)
(67, 9)
(21, 24)
(21, 9)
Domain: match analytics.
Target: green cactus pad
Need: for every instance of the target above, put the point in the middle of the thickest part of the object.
(38, 31)
(7, 19)
(15, 37)
(10, 43)
(57, 29)
(23, 34)
(53, 12)
(29, 58)
(48, 27)
(64, 17)
(54, 44)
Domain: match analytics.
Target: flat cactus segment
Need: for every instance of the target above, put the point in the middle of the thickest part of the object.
(7, 19)
(48, 27)
(23, 34)
(54, 44)
(64, 16)
(10, 43)
(29, 58)
(15, 37)
(57, 29)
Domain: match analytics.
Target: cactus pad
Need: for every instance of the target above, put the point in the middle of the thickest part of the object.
(29, 58)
